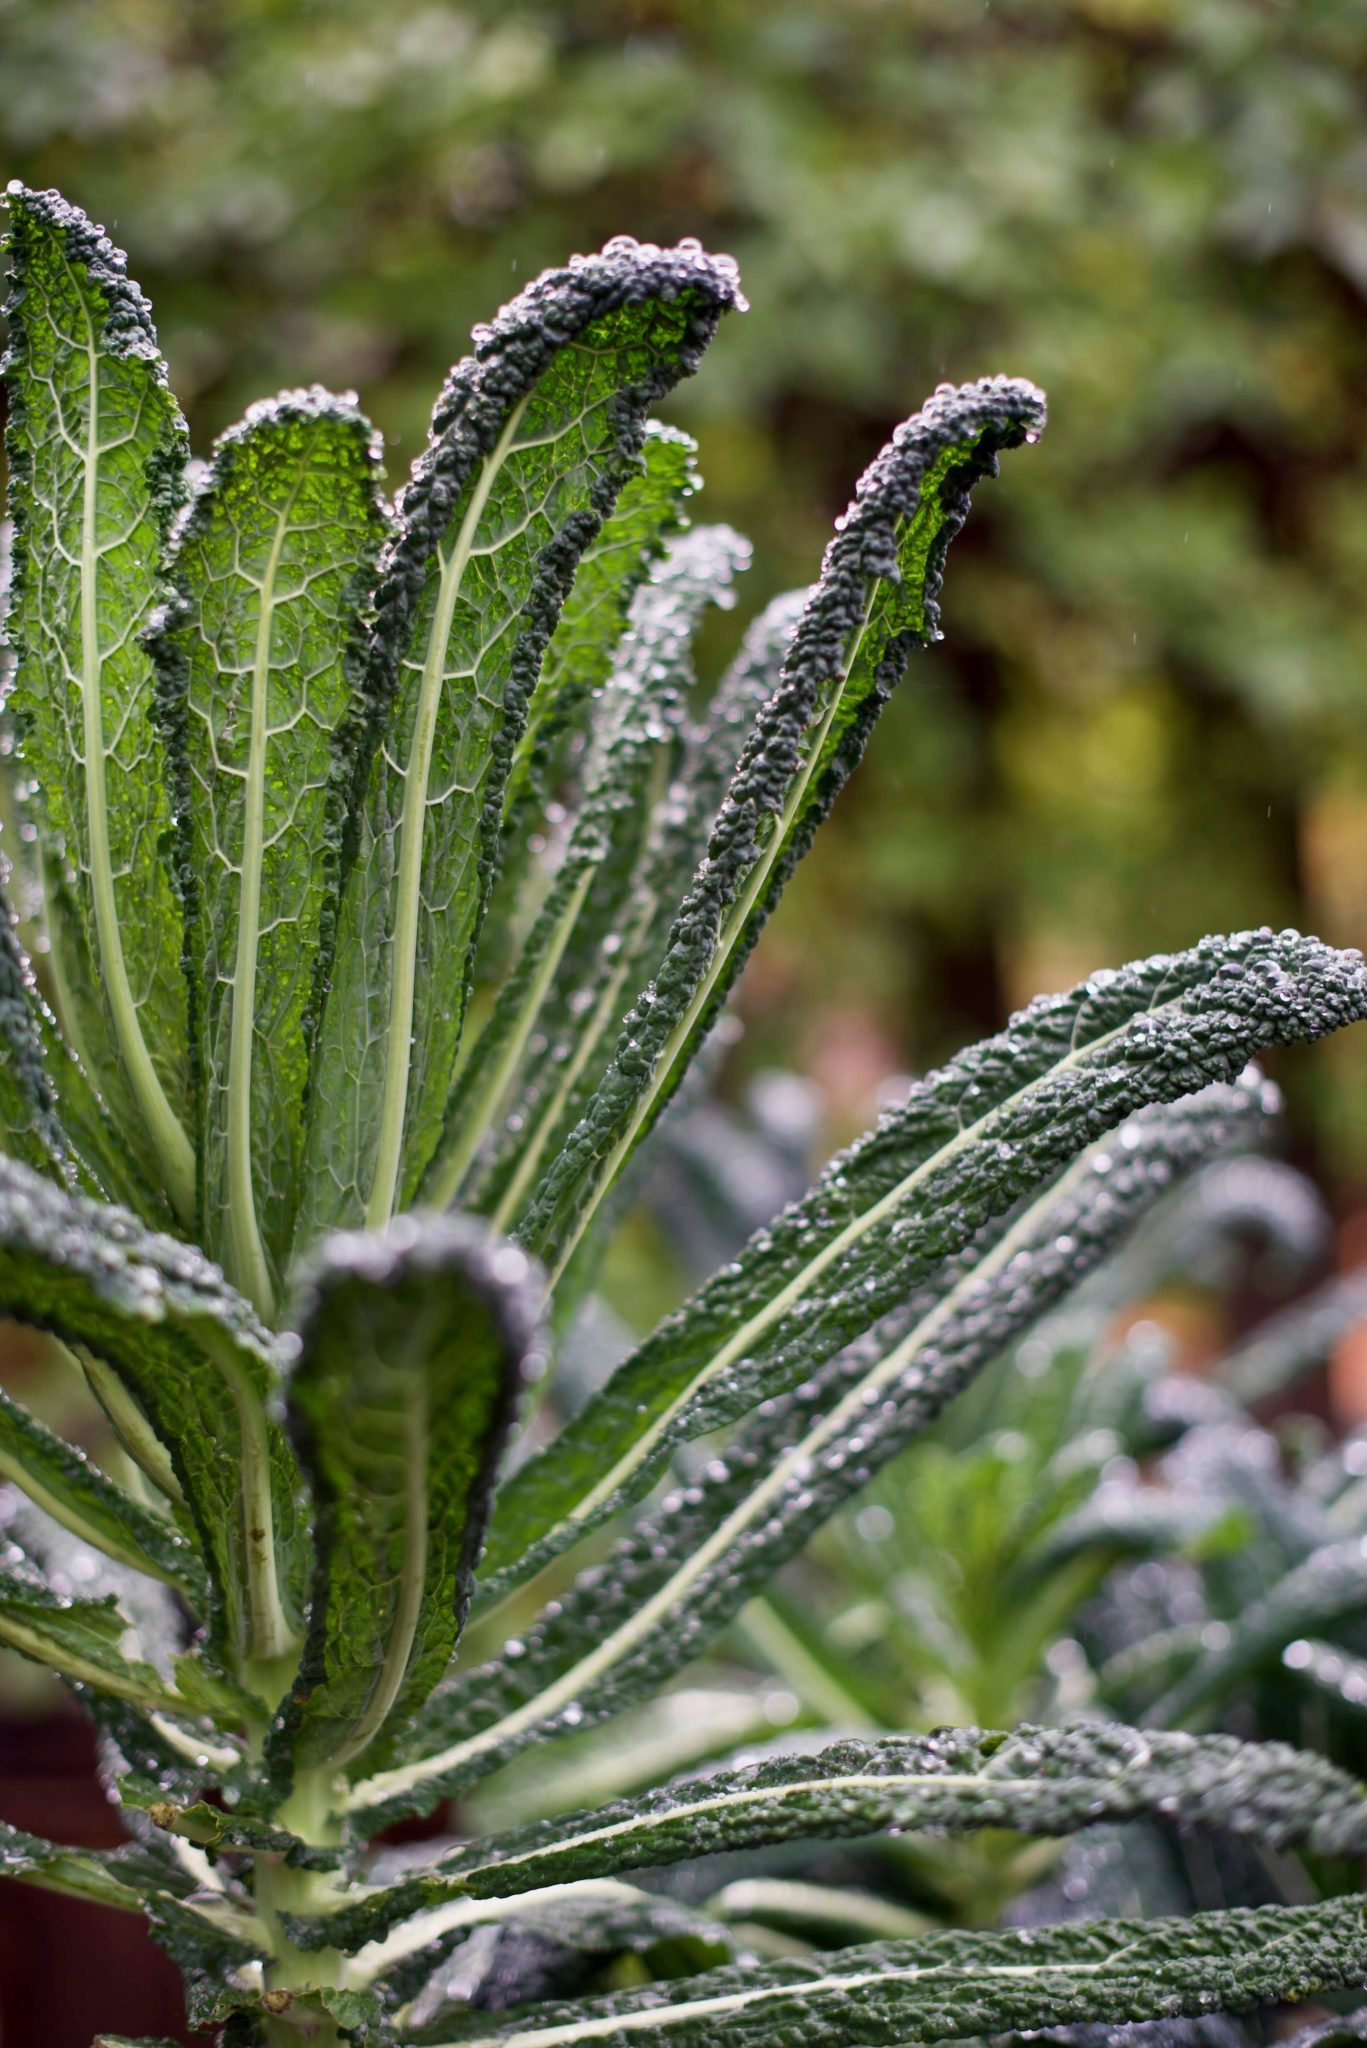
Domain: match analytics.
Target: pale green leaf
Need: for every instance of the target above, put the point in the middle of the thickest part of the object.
(97, 451)
(533, 439)
(257, 654)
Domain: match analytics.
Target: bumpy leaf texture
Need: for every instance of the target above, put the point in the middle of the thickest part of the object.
(876, 600)
(201, 1369)
(950, 1986)
(611, 570)
(29, 1124)
(970, 1141)
(97, 451)
(81, 1639)
(411, 1351)
(548, 756)
(257, 656)
(635, 753)
(532, 440)
(1044, 1781)
(618, 938)
(669, 1587)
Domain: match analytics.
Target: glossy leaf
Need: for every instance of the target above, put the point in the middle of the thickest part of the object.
(533, 439)
(97, 450)
(256, 655)
(411, 1351)
(951, 1986)
(876, 600)
(1036, 1781)
(200, 1368)
(668, 1588)
(971, 1140)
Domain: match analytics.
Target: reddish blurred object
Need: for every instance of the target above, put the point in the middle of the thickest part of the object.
(69, 1970)
(1348, 1378)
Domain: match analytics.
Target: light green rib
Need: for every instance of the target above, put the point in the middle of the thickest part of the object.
(174, 1151)
(384, 1191)
(573, 1682)
(250, 1269)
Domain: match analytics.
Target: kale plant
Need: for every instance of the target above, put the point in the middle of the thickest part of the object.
(386, 879)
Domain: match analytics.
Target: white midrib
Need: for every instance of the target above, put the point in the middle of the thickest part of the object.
(564, 1690)
(688, 2012)
(891, 1783)
(251, 1269)
(173, 1149)
(734, 925)
(801, 1283)
(384, 1191)
(413, 1573)
(503, 1216)
(378, 1957)
(492, 1089)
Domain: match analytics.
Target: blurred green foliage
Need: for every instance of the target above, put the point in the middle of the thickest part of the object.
(1150, 717)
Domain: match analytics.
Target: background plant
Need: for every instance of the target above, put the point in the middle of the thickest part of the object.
(291, 745)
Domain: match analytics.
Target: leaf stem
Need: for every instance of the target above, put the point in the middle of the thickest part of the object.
(269, 1637)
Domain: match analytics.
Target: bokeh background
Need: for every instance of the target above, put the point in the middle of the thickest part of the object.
(1149, 717)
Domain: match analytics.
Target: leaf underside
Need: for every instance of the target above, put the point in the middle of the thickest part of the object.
(97, 452)
(412, 1349)
(533, 439)
(954, 1986)
(197, 1362)
(256, 660)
